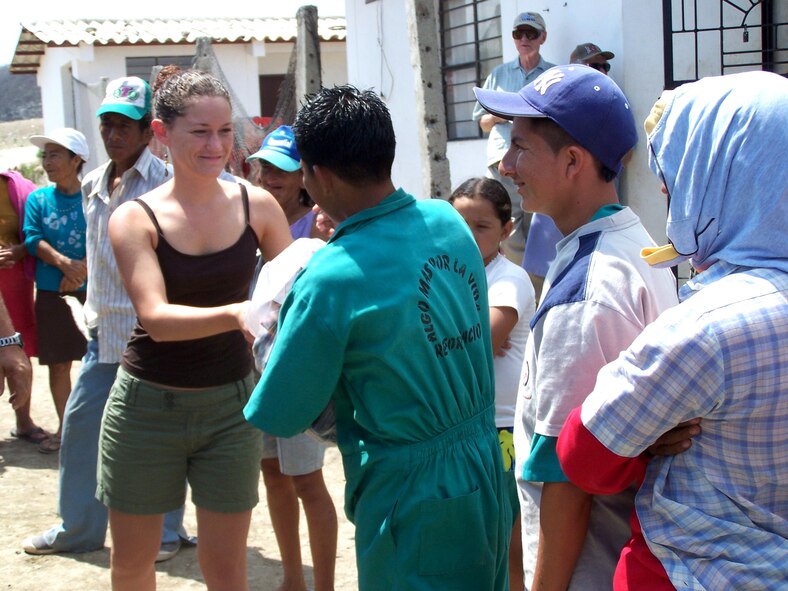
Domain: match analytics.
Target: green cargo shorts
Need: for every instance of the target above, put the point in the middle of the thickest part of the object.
(154, 439)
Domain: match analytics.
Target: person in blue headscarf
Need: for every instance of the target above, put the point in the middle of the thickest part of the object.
(716, 516)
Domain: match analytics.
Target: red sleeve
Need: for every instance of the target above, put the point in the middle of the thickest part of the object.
(590, 465)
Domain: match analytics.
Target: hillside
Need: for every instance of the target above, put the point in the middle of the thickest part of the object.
(20, 97)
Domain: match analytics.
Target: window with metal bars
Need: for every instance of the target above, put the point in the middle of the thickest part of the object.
(714, 37)
(470, 33)
(142, 66)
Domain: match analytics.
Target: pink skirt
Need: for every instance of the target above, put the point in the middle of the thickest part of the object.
(17, 290)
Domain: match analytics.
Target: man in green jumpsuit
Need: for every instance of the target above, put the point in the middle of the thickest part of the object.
(390, 322)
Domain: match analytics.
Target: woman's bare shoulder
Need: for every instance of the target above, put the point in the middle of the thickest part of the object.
(132, 216)
(151, 198)
(259, 196)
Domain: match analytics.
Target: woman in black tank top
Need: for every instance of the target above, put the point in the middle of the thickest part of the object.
(186, 253)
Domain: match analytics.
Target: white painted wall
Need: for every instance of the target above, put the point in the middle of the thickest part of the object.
(333, 60)
(632, 30)
(378, 57)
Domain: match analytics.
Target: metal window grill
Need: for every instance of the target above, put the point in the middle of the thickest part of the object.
(714, 37)
(470, 32)
(142, 66)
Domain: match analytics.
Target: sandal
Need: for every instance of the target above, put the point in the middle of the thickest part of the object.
(35, 435)
(50, 445)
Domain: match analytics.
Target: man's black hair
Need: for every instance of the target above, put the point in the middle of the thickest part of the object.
(347, 131)
(557, 138)
(143, 122)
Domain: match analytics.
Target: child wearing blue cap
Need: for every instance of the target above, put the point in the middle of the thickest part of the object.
(572, 127)
(293, 466)
(280, 174)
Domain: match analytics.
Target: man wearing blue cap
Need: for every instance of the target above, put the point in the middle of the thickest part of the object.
(599, 295)
(132, 170)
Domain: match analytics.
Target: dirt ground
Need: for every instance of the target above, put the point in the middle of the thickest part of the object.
(14, 134)
(28, 486)
(16, 150)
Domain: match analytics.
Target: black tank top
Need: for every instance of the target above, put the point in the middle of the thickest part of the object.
(207, 280)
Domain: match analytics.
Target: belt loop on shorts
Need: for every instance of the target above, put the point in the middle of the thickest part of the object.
(240, 391)
(169, 399)
(133, 387)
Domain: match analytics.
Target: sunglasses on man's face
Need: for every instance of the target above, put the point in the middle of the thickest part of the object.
(601, 67)
(529, 33)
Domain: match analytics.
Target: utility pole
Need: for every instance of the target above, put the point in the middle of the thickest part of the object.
(202, 55)
(307, 72)
(430, 111)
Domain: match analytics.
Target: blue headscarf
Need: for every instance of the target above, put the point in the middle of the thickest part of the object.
(721, 148)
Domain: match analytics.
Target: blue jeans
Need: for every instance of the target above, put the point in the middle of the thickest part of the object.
(84, 525)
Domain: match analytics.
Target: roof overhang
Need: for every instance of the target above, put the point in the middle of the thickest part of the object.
(36, 36)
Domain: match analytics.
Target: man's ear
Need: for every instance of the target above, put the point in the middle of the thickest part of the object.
(325, 178)
(575, 160)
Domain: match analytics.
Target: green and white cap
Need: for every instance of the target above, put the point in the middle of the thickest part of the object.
(129, 96)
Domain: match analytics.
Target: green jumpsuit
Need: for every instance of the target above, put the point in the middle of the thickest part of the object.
(390, 320)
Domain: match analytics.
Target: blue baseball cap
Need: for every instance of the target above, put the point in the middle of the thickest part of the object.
(279, 149)
(130, 96)
(588, 105)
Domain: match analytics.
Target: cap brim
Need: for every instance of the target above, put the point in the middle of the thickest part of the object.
(277, 159)
(129, 111)
(40, 141)
(536, 27)
(506, 105)
(608, 55)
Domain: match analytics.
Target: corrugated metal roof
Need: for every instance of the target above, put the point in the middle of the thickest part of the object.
(37, 35)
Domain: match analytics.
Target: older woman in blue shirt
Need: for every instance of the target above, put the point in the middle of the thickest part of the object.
(55, 234)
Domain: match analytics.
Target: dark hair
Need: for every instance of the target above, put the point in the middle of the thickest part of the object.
(176, 92)
(304, 198)
(164, 73)
(81, 162)
(348, 131)
(145, 121)
(488, 189)
(557, 138)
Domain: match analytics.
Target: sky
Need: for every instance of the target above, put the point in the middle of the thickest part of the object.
(17, 11)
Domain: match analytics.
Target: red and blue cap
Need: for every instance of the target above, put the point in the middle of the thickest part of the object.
(588, 105)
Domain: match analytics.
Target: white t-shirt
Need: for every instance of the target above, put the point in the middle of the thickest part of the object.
(508, 286)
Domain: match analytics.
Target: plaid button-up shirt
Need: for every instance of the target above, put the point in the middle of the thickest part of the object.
(715, 516)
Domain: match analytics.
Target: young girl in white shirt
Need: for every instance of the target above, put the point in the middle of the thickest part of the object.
(485, 206)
